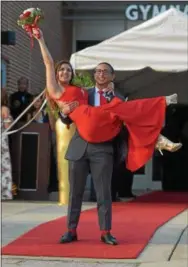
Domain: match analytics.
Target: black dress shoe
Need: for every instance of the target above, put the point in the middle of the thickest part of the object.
(109, 239)
(68, 237)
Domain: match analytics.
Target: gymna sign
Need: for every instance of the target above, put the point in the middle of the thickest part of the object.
(144, 12)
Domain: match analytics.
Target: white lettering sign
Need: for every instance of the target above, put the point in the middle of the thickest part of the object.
(143, 12)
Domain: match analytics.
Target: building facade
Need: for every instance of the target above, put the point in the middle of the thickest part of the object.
(68, 27)
(21, 59)
(90, 22)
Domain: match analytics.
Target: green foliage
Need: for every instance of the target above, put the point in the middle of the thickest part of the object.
(83, 79)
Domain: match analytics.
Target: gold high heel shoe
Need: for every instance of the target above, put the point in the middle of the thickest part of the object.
(164, 143)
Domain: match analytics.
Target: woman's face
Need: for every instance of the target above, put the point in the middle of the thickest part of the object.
(64, 74)
(38, 103)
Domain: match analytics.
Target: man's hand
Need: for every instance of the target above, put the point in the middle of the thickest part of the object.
(110, 88)
(67, 107)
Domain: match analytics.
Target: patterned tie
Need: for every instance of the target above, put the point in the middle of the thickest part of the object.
(102, 98)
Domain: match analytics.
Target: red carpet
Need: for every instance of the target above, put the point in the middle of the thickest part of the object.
(134, 223)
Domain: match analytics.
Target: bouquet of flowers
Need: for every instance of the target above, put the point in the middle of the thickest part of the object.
(29, 20)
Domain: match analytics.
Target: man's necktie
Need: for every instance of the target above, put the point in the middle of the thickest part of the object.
(102, 98)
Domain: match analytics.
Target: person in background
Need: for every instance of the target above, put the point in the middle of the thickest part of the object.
(20, 99)
(6, 167)
(42, 117)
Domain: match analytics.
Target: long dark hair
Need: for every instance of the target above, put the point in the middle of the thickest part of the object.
(58, 66)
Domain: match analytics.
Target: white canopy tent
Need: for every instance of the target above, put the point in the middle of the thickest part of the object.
(150, 59)
(160, 43)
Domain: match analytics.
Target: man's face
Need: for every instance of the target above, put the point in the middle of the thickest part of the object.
(23, 85)
(103, 75)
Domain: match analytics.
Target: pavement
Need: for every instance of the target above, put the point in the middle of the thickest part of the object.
(167, 248)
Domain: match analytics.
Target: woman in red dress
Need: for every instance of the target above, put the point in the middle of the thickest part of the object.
(143, 118)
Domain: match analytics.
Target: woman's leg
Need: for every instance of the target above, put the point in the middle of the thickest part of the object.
(144, 119)
(164, 143)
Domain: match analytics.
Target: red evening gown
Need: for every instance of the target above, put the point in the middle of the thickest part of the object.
(143, 118)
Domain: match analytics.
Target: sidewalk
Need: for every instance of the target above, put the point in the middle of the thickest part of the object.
(167, 248)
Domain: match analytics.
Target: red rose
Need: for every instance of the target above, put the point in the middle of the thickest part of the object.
(26, 14)
(21, 16)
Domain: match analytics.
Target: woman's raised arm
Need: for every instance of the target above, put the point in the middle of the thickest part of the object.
(52, 86)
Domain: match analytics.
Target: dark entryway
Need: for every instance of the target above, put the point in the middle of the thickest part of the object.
(84, 44)
(175, 165)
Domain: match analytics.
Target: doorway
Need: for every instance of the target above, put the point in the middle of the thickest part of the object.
(143, 179)
(175, 165)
